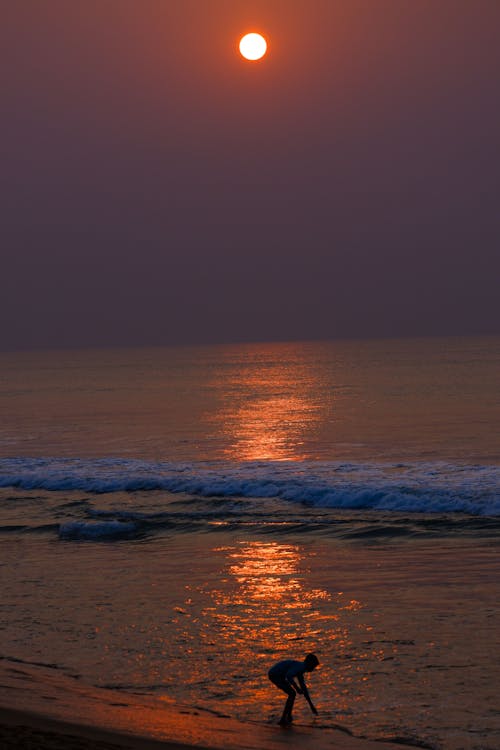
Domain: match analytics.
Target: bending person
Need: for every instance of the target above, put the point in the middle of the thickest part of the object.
(284, 675)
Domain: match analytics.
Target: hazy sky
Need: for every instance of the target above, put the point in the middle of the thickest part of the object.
(155, 188)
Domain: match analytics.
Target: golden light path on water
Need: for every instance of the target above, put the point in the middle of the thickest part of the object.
(264, 610)
(270, 408)
(269, 429)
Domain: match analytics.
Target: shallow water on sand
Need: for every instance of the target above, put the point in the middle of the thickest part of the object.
(405, 632)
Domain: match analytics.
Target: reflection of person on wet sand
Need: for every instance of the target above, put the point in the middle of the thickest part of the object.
(284, 674)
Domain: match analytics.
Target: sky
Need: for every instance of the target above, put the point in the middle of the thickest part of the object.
(157, 189)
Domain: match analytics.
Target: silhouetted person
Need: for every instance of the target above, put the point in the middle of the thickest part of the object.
(284, 674)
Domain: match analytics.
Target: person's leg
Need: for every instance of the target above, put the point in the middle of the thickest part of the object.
(288, 689)
(287, 711)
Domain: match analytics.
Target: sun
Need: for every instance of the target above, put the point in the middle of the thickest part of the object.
(253, 46)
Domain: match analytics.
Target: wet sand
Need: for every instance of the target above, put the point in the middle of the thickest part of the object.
(80, 717)
(32, 732)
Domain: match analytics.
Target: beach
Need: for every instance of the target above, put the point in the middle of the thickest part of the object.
(174, 522)
(401, 659)
(81, 718)
(32, 732)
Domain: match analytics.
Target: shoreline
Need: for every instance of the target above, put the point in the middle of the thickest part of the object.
(414, 692)
(20, 728)
(41, 709)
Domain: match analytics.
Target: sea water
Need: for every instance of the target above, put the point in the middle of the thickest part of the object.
(174, 520)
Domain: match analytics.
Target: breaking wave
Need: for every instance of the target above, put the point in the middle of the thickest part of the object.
(418, 487)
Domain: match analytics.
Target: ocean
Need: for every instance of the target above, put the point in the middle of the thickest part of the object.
(174, 520)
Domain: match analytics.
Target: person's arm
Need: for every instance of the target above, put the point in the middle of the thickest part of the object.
(305, 693)
(291, 676)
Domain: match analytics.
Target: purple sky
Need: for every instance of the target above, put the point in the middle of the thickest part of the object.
(156, 189)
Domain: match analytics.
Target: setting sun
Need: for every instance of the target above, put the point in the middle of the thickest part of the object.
(253, 46)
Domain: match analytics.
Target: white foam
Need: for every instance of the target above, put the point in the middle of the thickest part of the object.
(419, 487)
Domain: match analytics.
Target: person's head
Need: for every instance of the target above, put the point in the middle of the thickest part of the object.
(311, 661)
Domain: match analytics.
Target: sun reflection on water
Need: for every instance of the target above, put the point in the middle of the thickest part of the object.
(261, 601)
(269, 585)
(269, 429)
(263, 610)
(270, 408)
(269, 571)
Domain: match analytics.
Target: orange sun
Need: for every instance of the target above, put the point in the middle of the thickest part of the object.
(253, 46)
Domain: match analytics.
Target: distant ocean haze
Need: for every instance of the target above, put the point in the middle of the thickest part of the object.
(384, 400)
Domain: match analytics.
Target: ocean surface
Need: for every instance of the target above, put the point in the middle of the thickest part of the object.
(174, 520)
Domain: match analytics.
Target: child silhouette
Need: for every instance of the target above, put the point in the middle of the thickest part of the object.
(284, 674)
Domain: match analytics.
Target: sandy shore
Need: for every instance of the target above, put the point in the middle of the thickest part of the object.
(28, 731)
(42, 709)
(19, 729)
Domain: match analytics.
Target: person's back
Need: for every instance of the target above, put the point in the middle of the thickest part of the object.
(283, 668)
